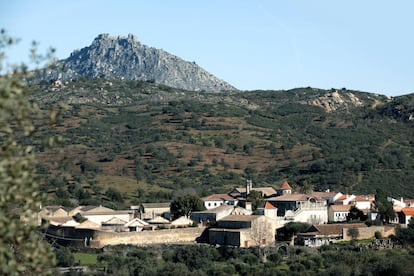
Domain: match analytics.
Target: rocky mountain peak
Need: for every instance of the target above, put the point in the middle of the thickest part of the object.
(105, 40)
(126, 58)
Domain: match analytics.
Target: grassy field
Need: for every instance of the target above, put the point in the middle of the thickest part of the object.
(86, 258)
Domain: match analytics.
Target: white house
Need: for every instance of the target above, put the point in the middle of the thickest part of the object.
(268, 210)
(363, 202)
(405, 215)
(309, 213)
(284, 189)
(318, 235)
(344, 199)
(147, 211)
(218, 213)
(300, 207)
(102, 217)
(338, 213)
(88, 209)
(328, 196)
(397, 203)
(137, 225)
(215, 200)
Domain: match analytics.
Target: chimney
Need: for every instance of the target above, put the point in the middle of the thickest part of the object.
(248, 187)
(248, 206)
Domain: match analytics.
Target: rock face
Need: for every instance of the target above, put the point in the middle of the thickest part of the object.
(126, 58)
(336, 101)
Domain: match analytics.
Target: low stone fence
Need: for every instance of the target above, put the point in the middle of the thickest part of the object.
(369, 232)
(166, 236)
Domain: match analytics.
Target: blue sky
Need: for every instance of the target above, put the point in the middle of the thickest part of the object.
(261, 44)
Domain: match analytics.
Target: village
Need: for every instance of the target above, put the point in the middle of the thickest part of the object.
(228, 220)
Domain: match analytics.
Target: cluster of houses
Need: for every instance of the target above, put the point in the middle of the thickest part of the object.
(228, 219)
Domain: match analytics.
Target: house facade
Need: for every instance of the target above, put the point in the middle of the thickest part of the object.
(363, 202)
(216, 214)
(89, 209)
(338, 213)
(322, 234)
(243, 231)
(215, 200)
(284, 189)
(268, 210)
(148, 211)
(294, 201)
(406, 215)
(101, 217)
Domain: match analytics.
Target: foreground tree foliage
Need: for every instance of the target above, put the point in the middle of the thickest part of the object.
(406, 235)
(207, 260)
(184, 205)
(384, 206)
(22, 249)
(290, 230)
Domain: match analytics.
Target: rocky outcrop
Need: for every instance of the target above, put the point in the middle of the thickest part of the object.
(336, 100)
(126, 58)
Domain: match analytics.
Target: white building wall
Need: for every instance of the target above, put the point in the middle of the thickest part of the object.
(335, 216)
(270, 213)
(396, 202)
(98, 219)
(211, 204)
(363, 205)
(338, 216)
(312, 216)
(407, 219)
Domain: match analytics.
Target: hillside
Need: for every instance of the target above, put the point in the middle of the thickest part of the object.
(125, 142)
(126, 58)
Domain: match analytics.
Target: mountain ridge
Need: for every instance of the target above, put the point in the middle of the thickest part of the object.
(115, 92)
(126, 58)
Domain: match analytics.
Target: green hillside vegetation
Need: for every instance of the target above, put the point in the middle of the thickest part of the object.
(126, 142)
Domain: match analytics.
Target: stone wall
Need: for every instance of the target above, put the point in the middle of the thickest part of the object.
(167, 236)
(369, 232)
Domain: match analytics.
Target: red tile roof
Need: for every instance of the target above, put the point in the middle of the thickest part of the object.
(409, 211)
(285, 186)
(342, 197)
(240, 218)
(363, 198)
(340, 208)
(336, 229)
(269, 205)
(289, 197)
(218, 197)
(324, 194)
